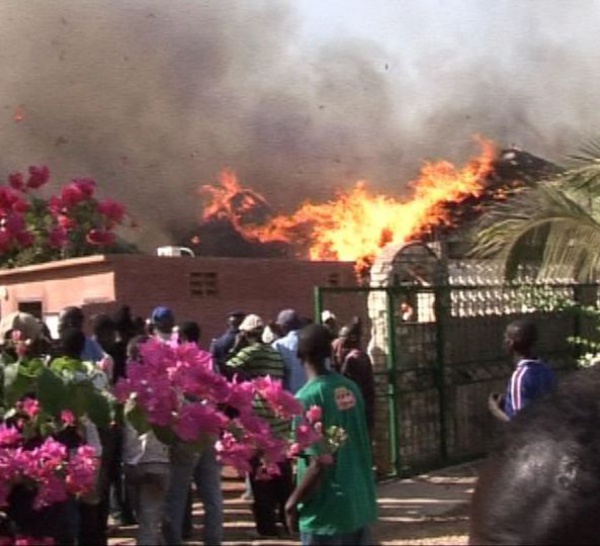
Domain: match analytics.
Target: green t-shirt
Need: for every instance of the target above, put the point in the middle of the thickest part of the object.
(345, 499)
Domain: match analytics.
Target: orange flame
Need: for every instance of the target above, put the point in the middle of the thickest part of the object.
(19, 113)
(356, 224)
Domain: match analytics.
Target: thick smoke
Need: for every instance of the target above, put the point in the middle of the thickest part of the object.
(154, 97)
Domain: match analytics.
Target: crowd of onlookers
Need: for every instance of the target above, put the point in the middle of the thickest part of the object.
(143, 481)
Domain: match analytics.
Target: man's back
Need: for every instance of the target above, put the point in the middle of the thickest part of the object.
(295, 376)
(345, 500)
(531, 380)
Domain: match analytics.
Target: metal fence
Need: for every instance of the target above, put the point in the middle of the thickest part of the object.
(438, 353)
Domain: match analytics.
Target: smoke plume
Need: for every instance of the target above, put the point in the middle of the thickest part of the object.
(152, 97)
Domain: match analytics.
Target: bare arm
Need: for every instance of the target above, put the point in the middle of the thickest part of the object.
(495, 401)
(310, 482)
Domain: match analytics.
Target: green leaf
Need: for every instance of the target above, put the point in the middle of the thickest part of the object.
(165, 435)
(17, 383)
(99, 409)
(52, 393)
(136, 416)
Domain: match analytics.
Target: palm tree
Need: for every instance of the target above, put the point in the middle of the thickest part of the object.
(551, 227)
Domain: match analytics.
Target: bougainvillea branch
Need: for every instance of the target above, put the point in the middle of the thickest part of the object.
(72, 223)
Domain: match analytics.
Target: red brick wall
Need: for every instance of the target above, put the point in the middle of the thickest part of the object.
(262, 286)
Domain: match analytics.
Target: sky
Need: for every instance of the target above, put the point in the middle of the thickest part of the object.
(301, 98)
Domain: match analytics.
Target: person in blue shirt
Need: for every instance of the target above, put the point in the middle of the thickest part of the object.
(290, 323)
(532, 378)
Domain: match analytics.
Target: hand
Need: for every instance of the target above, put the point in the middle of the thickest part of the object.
(291, 516)
(495, 401)
(496, 406)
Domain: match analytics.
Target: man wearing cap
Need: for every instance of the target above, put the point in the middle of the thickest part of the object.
(220, 348)
(329, 320)
(163, 322)
(182, 460)
(287, 346)
(258, 359)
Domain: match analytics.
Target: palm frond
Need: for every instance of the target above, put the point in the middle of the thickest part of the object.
(542, 226)
(584, 172)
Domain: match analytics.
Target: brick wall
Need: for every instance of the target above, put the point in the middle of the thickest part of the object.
(202, 289)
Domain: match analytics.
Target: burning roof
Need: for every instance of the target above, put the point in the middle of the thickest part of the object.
(356, 224)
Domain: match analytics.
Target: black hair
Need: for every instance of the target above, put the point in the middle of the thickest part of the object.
(123, 320)
(190, 331)
(523, 334)
(72, 317)
(314, 344)
(103, 323)
(541, 482)
(72, 342)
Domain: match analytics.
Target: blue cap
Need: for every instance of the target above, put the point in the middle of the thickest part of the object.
(161, 313)
(289, 319)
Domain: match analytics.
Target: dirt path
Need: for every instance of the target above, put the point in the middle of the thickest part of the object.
(429, 509)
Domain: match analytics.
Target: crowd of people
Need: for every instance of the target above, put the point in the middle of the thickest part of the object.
(142, 480)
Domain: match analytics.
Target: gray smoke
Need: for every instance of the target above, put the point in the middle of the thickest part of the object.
(153, 97)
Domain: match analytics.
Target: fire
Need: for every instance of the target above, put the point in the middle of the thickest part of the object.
(19, 113)
(356, 224)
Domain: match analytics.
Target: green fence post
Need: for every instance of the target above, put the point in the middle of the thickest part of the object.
(318, 304)
(392, 387)
(440, 317)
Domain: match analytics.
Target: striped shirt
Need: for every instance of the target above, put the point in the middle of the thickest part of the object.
(530, 380)
(260, 360)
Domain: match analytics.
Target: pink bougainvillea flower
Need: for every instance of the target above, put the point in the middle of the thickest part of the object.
(25, 238)
(57, 237)
(8, 198)
(112, 210)
(9, 435)
(71, 196)
(314, 414)
(87, 186)
(56, 205)
(38, 176)
(30, 406)
(282, 402)
(67, 418)
(16, 181)
(100, 237)
(65, 221)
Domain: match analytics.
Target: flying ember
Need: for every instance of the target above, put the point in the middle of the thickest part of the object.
(356, 223)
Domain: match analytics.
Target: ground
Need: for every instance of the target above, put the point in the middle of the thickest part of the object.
(428, 509)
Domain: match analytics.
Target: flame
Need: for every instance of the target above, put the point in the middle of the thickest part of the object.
(356, 224)
(19, 113)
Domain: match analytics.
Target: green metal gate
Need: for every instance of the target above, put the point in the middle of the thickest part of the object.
(434, 369)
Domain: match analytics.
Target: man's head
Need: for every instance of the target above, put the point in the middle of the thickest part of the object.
(329, 320)
(235, 318)
(520, 337)
(29, 327)
(189, 332)
(72, 342)
(71, 317)
(314, 345)
(104, 331)
(252, 327)
(349, 335)
(124, 324)
(288, 320)
(163, 319)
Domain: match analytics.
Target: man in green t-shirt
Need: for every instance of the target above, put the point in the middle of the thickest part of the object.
(335, 500)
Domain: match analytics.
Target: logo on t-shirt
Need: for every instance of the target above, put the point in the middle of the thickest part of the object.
(344, 398)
